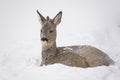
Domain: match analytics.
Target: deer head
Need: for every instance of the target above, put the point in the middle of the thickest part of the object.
(48, 29)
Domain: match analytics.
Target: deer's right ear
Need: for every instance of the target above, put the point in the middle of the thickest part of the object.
(57, 18)
(41, 18)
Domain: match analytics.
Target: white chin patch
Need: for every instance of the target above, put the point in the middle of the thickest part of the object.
(44, 42)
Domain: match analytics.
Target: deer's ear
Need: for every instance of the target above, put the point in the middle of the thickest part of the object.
(41, 18)
(57, 18)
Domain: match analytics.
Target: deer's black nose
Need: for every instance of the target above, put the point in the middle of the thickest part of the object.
(44, 39)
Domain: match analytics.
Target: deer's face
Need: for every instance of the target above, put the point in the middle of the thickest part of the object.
(48, 30)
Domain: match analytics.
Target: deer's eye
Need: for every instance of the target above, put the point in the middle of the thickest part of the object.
(41, 31)
(51, 31)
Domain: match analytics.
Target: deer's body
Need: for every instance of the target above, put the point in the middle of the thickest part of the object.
(79, 56)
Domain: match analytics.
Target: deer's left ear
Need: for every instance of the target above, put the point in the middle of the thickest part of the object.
(42, 19)
(57, 18)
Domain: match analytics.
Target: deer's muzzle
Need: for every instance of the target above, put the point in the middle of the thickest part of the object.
(44, 39)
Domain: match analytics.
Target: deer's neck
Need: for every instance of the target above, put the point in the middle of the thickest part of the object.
(49, 51)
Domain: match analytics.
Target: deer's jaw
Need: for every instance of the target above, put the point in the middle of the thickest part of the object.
(47, 45)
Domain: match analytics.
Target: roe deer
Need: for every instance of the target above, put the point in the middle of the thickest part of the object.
(77, 56)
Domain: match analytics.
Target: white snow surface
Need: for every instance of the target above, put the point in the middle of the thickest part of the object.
(84, 22)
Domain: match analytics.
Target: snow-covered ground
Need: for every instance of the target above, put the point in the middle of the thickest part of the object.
(90, 22)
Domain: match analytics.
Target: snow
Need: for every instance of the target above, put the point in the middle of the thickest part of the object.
(88, 22)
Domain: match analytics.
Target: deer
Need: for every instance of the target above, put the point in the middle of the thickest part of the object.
(83, 56)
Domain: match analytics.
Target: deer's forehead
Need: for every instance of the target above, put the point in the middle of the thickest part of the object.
(48, 25)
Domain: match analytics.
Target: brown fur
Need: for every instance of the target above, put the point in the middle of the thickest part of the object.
(78, 56)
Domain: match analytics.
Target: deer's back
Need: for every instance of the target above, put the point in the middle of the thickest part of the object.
(83, 56)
